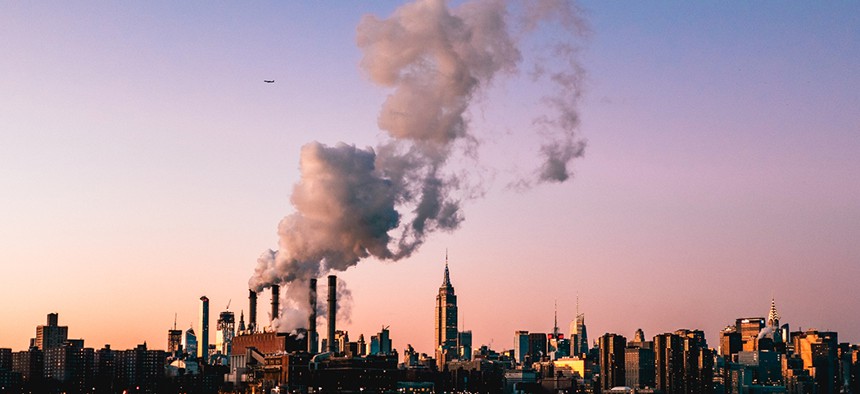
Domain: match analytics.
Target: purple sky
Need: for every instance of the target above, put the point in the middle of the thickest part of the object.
(144, 163)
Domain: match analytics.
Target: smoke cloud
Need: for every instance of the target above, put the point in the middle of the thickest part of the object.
(352, 203)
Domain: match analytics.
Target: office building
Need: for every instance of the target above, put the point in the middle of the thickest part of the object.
(749, 328)
(639, 369)
(203, 340)
(578, 334)
(818, 351)
(464, 345)
(445, 337)
(612, 349)
(521, 346)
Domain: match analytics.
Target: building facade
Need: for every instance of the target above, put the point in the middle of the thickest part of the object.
(445, 337)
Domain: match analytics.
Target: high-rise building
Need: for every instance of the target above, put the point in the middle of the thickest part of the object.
(683, 362)
(818, 350)
(639, 362)
(612, 349)
(537, 346)
(445, 339)
(51, 335)
(730, 342)
(203, 341)
(174, 341)
(190, 342)
(668, 362)
(71, 365)
(558, 346)
(464, 345)
(380, 343)
(578, 334)
(30, 364)
(749, 329)
(521, 346)
(773, 315)
(226, 327)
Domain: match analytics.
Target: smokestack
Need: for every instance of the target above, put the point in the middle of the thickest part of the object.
(312, 319)
(203, 339)
(252, 321)
(276, 290)
(332, 311)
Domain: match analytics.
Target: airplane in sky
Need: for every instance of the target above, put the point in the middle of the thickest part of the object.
(269, 81)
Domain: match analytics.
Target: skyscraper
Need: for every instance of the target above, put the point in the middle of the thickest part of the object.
(521, 346)
(612, 361)
(190, 342)
(446, 320)
(203, 341)
(578, 334)
(464, 345)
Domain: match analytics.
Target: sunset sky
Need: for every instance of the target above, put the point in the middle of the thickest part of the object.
(144, 163)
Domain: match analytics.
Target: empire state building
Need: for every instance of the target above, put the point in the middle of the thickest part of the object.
(446, 320)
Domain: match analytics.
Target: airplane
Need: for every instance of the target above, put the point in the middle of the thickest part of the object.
(269, 81)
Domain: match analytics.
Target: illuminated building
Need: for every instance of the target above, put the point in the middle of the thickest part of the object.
(445, 338)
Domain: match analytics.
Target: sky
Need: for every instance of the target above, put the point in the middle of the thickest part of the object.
(144, 163)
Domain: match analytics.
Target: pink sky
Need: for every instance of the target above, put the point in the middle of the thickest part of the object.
(143, 163)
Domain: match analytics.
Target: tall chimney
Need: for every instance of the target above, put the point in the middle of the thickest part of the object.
(332, 311)
(312, 319)
(252, 321)
(276, 290)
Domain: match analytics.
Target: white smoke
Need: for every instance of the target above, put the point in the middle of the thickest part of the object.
(353, 203)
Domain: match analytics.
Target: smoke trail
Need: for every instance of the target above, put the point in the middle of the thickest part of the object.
(353, 203)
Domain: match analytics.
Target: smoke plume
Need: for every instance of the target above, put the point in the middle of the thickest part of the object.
(352, 203)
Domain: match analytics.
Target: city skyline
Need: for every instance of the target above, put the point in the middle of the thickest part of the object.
(147, 164)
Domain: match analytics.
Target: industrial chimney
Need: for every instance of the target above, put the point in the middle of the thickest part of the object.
(252, 321)
(312, 319)
(276, 290)
(332, 311)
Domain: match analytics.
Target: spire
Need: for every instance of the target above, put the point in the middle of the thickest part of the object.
(773, 315)
(447, 279)
(555, 320)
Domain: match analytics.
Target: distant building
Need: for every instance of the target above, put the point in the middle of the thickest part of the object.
(730, 342)
(70, 365)
(521, 346)
(639, 369)
(464, 345)
(445, 337)
(749, 328)
(203, 340)
(578, 334)
(30, 365)
(381, 342)
(190, 342)
(139, 367)
(612, 348)
(537, 346)
(51, 335)
(684, 363)
(174, 341)
(226, 327)
(818, 350)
